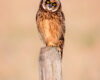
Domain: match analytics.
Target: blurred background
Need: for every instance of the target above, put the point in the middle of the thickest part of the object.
(20, 42)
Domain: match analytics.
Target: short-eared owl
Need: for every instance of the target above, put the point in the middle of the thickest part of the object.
(50, 22)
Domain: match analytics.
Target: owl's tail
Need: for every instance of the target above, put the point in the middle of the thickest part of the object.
(61, 44)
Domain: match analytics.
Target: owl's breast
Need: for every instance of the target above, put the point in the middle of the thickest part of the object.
(46, 27)
(50, 29)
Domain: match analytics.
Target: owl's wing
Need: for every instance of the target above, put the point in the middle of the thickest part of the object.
(63, 16)
(37, 15)
(63, 22)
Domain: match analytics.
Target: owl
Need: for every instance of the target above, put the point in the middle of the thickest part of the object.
(51, 23)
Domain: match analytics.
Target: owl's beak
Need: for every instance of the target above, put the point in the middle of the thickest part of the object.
(49, 5)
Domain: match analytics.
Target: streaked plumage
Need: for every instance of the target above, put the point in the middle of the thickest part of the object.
(50, 22)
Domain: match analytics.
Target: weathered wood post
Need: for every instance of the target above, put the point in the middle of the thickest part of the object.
(50, 64)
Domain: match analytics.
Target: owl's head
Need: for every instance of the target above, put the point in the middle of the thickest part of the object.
(51, 5)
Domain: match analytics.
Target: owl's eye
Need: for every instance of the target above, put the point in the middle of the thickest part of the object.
(54, 4)
(47, 2)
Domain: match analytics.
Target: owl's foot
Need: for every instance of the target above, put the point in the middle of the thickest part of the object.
(51, 44)
(55, 45)
(59, 43)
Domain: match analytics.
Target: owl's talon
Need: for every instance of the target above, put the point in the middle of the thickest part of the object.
(51, 45)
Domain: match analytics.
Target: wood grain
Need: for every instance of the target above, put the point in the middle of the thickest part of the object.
(50, 64)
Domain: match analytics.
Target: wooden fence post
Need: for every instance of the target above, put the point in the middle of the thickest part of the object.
(50, 64)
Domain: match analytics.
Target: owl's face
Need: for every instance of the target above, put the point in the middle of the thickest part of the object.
(51, 5)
